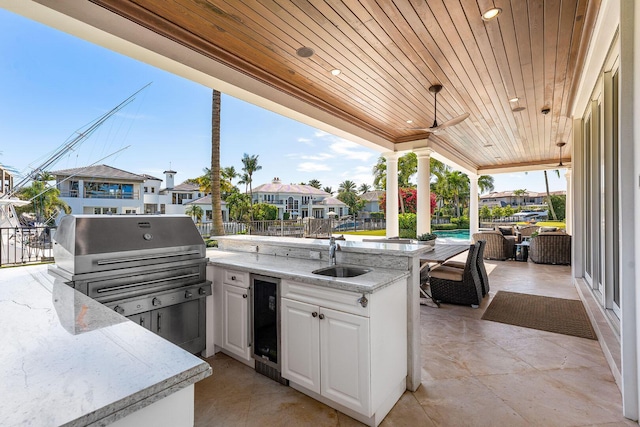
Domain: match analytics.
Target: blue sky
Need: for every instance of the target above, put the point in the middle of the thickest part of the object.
(53, 84)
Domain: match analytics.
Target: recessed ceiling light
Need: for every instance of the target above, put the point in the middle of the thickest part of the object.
(305, 52)
(517, 109)
(335, 72)
(488, 145)
(409, 121)
(514, 99)
(498, 157)
(491, 13)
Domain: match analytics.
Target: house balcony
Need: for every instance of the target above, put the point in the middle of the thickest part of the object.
(119, 195)
(474, 372)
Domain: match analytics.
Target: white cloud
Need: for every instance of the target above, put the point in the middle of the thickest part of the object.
(306, 141)
(348, 150)
(317, 157)
(312, 167)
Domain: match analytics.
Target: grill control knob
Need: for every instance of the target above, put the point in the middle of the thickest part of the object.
(118, 309)
(156, 301)
(188, 294)
(202, 291)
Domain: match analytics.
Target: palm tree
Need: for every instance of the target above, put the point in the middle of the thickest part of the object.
(315, 184)
(45, 200)
(196, 213)
(217, 228)
(457, 184)
(244, 179)
(485, 183)
(364, 188)
(546, 182)
(328, 190)
(227, 175)
(520, 194)
(250, 166)
(347, 186)
(380, 174)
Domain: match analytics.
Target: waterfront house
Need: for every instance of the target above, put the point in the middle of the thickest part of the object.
(298, 200)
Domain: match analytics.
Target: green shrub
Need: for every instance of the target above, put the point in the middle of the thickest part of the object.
(407, 221)
(211, 243)
(377, 215)
(406, 233)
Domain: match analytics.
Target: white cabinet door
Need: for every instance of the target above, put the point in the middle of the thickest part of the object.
(345, 359)
(235, 331)
(300, 343)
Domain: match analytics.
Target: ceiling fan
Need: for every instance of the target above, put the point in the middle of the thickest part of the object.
(435, 128)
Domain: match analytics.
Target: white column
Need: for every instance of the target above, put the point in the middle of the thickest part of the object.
(629, 204)
(392, 193)
(474, 214)
(424, 191)
(568, 210)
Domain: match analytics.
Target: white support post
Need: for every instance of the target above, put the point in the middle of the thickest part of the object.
(568, 214)
(392, 193)
(424, 191)
(474, 213)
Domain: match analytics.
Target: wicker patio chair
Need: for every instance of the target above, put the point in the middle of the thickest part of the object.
(551, 248)
(526, 231)
(498, 246)
(482, 271)
(458, 286)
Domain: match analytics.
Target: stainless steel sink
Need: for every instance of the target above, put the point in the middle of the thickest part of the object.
(341, 271)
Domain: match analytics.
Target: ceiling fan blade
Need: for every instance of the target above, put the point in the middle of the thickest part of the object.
(451, 122)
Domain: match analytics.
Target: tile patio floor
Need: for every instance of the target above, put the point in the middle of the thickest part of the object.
(474, 373)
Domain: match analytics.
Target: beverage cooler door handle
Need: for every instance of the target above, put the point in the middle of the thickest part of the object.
(250, 316)
(159, 320)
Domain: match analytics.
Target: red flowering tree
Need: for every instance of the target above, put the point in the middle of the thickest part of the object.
(409, 199)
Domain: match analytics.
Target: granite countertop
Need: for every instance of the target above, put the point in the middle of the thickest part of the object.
(298, 269)
(67, 359)
(373, 248)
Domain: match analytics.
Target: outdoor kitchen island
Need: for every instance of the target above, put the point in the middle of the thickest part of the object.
(69, 360)
(350, 342)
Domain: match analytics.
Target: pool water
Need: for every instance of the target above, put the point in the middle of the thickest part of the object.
(453, 234)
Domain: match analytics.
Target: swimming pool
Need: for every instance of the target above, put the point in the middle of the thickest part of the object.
(453, 234)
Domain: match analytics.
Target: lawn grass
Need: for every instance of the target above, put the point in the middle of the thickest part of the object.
(559, 224)
(382, 233)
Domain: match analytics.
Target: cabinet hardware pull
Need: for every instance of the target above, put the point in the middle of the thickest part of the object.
(314, 314)
(233, 277)
(321, 316)
(244, 295)
(363, 301)
(159, 321)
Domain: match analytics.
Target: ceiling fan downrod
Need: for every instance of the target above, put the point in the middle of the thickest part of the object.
(435, 89)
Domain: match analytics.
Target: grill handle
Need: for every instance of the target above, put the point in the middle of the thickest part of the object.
(145, 258)
(147, 282)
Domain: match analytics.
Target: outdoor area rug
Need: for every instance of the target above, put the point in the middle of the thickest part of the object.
(559, 315)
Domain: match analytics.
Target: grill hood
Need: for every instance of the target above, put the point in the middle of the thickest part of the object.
(92, 243)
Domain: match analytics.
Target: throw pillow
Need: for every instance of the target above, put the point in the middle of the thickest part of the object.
(506, 231)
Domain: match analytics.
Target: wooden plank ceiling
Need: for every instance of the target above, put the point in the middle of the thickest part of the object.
(390, 52)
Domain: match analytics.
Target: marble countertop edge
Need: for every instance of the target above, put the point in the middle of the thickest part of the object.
(143, 398)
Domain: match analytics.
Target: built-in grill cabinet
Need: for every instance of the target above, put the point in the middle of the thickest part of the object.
(149, 268)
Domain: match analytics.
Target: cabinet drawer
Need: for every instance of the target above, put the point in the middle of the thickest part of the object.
(236, 278)
(336, 299)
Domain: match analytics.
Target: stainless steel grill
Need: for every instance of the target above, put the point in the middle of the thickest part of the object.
(149, 268)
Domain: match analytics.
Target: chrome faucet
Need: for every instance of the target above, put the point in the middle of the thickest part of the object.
(333, 247)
